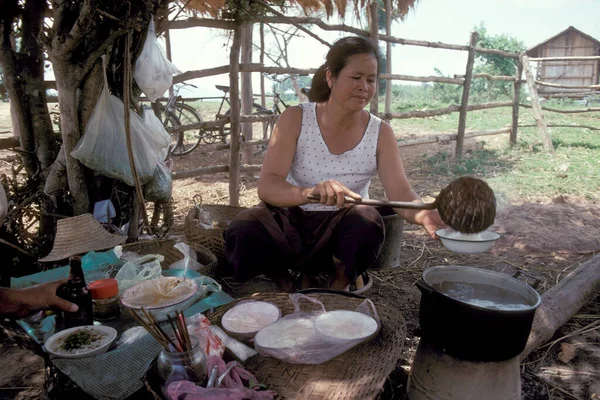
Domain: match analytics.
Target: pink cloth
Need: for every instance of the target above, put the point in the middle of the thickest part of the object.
(232, 387)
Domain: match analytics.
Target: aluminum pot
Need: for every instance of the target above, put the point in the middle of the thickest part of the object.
(475, 314)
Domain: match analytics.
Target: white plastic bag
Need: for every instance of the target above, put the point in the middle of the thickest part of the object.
(160, 187)
(103, 147)
(138, 270)
(296, 339)
(154, 122)
(189, 260)
(153, 72)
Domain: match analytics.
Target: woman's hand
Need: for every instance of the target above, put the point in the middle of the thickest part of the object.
(332, 192)
(22, 302)
(431, 221)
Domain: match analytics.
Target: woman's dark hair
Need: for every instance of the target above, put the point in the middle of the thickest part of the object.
(336, 60)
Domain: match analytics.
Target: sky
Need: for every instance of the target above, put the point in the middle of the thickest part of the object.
(531, 21)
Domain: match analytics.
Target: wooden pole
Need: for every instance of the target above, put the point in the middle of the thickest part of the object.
(562, 301)
(263, 99)
(375, 41)
(535, 102)
(247, 153)
(234, 99)
(388, 56)
(169, 54)
(462, 118)
(516, 98)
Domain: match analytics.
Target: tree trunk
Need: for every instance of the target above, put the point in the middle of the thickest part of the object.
(464, 104)
(66, 83)
(247, 91)
(234, 96)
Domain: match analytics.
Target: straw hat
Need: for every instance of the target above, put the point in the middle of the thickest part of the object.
(81, 234)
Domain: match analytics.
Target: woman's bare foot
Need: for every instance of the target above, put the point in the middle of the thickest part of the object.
(339, 282)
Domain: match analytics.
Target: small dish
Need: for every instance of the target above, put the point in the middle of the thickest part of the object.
(248, 317)
(100, 339)
(346, 325)
(467, 243)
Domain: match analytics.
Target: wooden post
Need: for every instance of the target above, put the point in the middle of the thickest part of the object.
(464, 104)
(375, 41)
(169, 54)
(388, 56)
(516, 98)
(247, 91)
(535, 103)
(234, 99)
(263, 99)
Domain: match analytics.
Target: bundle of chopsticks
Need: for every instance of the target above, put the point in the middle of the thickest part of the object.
(179, 341)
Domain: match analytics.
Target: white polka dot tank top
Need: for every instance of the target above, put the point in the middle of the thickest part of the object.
(313, 163)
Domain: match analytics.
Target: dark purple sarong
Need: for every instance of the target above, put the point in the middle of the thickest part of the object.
(271, 240)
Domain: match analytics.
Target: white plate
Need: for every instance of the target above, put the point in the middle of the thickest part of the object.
(54, 342)
(346, 325)
(250, 317)
(467, 243)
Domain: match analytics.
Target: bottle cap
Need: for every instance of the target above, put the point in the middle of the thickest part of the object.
(104, 288)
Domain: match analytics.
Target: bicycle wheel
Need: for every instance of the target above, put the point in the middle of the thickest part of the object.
(190, 139)
(257, 110)
(171, 121)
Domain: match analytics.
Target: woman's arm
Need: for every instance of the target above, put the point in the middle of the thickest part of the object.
(396, 184)
(272, 186)
(21, 302)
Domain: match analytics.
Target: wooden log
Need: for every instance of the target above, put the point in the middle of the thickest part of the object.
(535, 102)
(190, 173)
(446, 110)
(223, 120)
(247, 101)
(201, 23)
(516, 97)
(440, 79)
(489, 77)
(388, 56)
(448, 137)
(169, 54)
(593, 128)
(464, 104)
(559, 85)
(562, 301)
(10, 143)
(234, 100)
(225, 146)
(575, 58)
(497, 52)
(261, 60)
(572, 94)
(374, 35)
(556, 110)
(253, 67)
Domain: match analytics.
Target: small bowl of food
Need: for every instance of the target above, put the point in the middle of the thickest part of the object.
(81, 341)
(467, 243)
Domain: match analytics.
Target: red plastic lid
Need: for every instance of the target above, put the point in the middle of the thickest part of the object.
(104, 288)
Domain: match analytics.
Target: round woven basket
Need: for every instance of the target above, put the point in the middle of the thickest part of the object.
(196, 233)
(171, 254)
(359, 373)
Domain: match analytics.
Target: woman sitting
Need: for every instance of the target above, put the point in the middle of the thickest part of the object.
(329, 148)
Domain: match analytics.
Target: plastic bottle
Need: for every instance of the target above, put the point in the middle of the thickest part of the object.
(105, 297)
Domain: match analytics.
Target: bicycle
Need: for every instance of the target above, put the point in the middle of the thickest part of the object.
(176, 113)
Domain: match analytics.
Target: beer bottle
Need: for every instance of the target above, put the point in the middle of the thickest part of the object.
(78, 292)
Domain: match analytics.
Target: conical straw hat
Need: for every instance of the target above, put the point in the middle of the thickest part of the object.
(79, 235)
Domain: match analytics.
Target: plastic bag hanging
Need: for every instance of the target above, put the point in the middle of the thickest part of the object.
(103, 147)
(153, 72)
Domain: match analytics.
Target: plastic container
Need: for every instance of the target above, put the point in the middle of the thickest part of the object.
(105, 299)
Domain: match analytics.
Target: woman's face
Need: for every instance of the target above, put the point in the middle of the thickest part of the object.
(356, 83)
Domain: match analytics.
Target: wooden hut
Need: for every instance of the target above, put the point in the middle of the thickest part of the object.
(569, 43)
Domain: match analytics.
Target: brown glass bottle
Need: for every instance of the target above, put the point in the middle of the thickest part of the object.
(78, 292)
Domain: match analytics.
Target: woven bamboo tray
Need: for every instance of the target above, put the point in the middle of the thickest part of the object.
(210, 238)
(359, 373)
(171, 254)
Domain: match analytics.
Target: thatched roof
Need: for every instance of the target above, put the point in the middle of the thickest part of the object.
(213, 8)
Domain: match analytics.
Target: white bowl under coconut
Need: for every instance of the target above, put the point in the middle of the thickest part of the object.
(346, 325)
(249, 317)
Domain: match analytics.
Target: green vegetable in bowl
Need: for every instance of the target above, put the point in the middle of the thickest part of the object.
(80, 339)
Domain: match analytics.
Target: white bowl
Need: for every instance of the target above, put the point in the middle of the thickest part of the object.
(467, 243)
(54, 343)
(159, 307)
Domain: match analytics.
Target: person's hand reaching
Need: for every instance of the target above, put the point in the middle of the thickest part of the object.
(23, 302)
(332, 193)
(432, 221)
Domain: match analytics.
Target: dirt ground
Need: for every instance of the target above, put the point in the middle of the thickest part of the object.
(545, 237)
